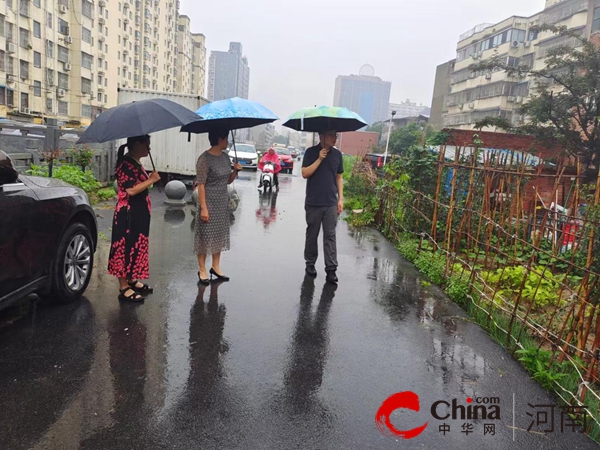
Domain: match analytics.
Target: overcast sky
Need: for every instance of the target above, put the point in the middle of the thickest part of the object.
(296, 51)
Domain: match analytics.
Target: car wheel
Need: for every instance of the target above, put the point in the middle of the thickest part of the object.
(72, 268)
(254, 170)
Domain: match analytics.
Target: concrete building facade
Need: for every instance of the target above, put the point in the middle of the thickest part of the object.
(229, 74)
(365, 94)
(406, 109)
(66, 59)
(441, 89)
(473, 96)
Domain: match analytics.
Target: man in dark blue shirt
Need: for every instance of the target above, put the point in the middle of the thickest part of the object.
(323, 167)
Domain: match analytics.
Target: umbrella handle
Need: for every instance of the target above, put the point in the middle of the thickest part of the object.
(154, 168)
(234, 149)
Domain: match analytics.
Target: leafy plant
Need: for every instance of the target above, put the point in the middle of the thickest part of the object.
(106, 194)
(82, 157)
(73, 175)
(37, 171)
(541, 290)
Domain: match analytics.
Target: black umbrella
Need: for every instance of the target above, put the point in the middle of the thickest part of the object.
(137, 119)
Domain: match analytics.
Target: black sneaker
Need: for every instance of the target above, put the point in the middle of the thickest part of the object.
(310, 270)
(332, 277)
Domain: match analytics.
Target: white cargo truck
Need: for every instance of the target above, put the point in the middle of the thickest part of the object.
(173, 154)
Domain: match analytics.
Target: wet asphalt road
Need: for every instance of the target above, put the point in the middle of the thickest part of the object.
(270, 360)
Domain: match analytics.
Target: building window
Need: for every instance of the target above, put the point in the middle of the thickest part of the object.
(50, 77)
(24, 100)
(24, 8)
(37, 3)
(37, 59)
(87, 60)
(86, 111)
(87, 8)
(63, 27)
(63, 80)
(2, 60)
(596, 22)
(24, 37)
(63, 54)
(49, 105)
(49, 21)
(37, 29)
(10, 97)
(86, 35)
(37, 88)
(63, 108)
(50, 49)
(2, 96)
(86, 85)
(2, 25)
(24, 69)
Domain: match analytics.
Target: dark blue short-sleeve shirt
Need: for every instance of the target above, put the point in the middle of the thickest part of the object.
(321, 188)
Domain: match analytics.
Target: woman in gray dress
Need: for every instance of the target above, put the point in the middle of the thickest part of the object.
(214, 173)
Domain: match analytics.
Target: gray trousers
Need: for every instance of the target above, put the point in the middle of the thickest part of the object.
(327, 217)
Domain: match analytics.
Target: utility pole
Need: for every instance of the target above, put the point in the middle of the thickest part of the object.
(387, 145)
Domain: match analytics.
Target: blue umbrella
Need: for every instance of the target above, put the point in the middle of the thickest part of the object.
(137, 119)
(230, 114)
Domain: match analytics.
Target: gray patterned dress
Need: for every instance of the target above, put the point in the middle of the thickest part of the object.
(213, 236)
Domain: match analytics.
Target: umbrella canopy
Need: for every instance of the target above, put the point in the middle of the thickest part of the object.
(230, 114)
(325, 118)
(137, 119)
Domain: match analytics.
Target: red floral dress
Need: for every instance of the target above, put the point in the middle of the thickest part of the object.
(131, 225)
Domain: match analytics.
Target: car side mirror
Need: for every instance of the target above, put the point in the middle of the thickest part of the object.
(8, 175)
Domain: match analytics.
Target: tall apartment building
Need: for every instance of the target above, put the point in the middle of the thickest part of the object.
(66, 59)
(365, 94)
(229, 74)
(190, 62)
(198, 64)
(475, 95)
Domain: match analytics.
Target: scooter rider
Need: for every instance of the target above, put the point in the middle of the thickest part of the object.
(271, 157)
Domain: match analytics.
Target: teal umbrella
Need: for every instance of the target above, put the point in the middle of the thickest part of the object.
(325, 118)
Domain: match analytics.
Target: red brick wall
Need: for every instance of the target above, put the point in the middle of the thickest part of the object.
(545, 184)
(357, 142)
(523, 143)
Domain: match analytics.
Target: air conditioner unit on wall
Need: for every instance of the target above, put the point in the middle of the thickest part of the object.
(62, 9)
(67, 67)
(11, 48)
(488, 76)
(515, 44)
(68, 40)
(512, 99)
(527, 44)
(24, 110)
(61, 92)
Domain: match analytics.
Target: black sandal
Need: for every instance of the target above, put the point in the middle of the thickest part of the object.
(145, 289)
(134, 297)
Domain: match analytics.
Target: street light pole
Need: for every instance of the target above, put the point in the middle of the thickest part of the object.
(387, 145)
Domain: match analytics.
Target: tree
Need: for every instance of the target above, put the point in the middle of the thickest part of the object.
(565, 107)
(377, 128)
(404, 138)
(280, 139)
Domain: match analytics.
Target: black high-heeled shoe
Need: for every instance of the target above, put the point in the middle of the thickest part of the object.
(205, 282)
(219, 277)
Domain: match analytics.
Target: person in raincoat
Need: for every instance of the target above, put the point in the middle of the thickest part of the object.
(271, 157)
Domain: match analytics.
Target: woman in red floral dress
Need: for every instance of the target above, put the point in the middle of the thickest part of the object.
(128, 260)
